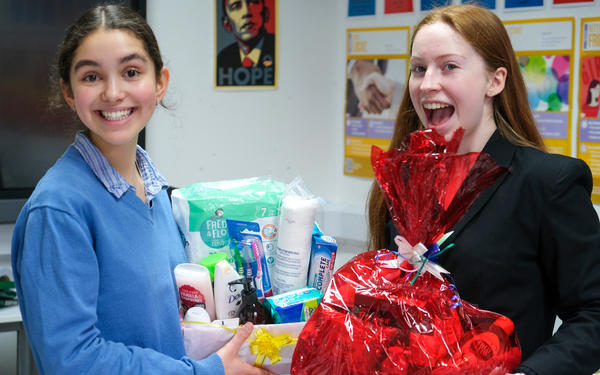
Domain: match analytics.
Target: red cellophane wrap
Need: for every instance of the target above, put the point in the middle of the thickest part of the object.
(385, 312)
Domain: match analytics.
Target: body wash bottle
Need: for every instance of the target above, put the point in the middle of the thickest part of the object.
(252, 310)
(195, 289)
(228, 299)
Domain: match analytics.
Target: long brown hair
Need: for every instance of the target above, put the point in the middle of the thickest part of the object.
(483, 30)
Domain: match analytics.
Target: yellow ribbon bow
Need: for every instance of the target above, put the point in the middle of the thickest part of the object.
(267, 346)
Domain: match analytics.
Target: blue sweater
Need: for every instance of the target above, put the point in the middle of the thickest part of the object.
(94, 277)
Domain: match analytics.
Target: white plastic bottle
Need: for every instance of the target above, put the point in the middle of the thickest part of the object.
(193, 283)
(228, 299)
(196, 314)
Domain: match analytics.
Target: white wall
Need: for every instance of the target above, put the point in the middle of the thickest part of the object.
(296, 129)
(225, 134)
(293, 130)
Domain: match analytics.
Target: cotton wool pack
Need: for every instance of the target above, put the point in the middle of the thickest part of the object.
(298, 211)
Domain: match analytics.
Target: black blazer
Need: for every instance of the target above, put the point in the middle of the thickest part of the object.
(529, 248)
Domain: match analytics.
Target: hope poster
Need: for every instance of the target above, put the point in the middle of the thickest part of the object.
(245, 44)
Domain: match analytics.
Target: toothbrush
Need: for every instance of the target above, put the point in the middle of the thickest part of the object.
(256, 252)
(264, 282)
(239, 261)
(248, 260)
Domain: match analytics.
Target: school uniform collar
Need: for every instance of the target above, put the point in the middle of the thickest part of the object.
(111, 179)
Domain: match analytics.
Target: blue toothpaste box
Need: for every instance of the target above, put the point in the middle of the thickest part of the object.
(323, 253)
(293, 306)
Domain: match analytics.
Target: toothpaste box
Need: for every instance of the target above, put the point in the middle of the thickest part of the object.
(293, 306)
(323, 252)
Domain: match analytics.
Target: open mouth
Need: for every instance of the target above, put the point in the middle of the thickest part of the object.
(438, 113)
(116, 115)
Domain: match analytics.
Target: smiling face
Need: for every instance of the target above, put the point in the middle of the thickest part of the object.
(113, 87)
(244, 18)
(450, 86)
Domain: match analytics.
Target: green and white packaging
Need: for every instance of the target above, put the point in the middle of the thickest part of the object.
(201, 211)
(293, 306)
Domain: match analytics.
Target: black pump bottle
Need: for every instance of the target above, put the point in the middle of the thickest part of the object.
(252, 311)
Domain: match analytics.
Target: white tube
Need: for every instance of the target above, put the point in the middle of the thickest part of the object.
(294, 245)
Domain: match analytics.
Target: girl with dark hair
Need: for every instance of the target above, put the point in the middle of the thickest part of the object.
(95, 246)
(529, 247)
(591, 106)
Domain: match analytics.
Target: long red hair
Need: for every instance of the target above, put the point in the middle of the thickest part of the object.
(483, 30)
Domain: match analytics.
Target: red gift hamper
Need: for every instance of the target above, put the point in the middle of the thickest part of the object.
(398, 312)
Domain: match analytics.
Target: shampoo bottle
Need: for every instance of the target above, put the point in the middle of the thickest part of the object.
(252, 310)
(228, 299)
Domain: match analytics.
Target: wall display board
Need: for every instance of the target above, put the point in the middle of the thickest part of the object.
(245, 44)
(588, 143)
(361, 8)
(545, 50)
(377, 71)
(519, 5)
(397, 6)
(570, 3)
(430, 4)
